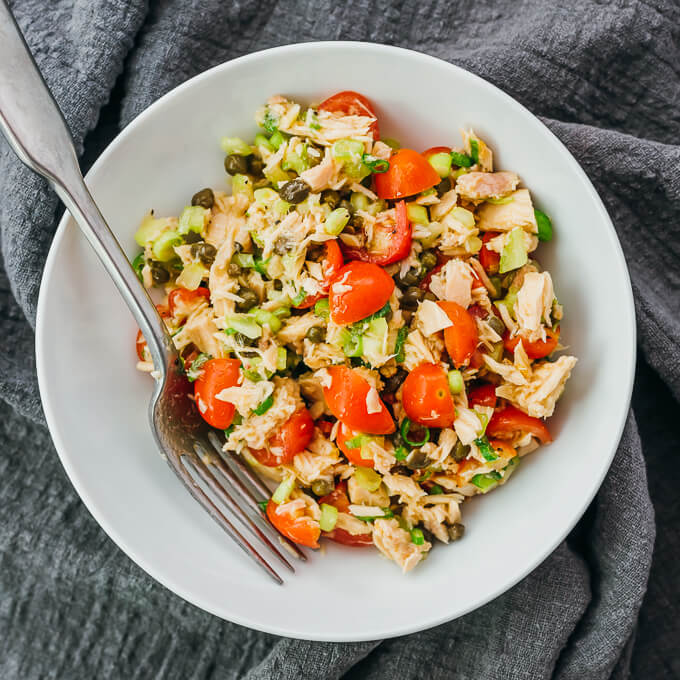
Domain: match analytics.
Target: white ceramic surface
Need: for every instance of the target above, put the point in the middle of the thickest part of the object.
(96, 402)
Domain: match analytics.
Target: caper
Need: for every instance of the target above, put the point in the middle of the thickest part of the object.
(460, 451)
(322, 487)
(496, 324)
(234, 270)
(242, 340)
(496, 352)
(255, 165)
(278, 284)
(417, 460)
(393, 383)
(292, 360)
(159, 273)
(330, 198)
(443, 186)
(410, 278)
(315, 252)
(250, 299)
(456, 532)
(429, 295)
(428, 259)
(235, 164)
(357, 222)
(347, 205)
(192, 237)
(412, 296)
(498, 285)
(366, 181)
(281, 245)
(295, 191)
(204, 198)
(316, 334)
(205, 252)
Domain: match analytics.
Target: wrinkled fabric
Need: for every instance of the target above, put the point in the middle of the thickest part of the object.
(605, 78)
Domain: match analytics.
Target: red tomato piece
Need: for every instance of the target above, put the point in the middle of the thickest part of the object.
(217, 375)
(353, 455)
(461, 338)
(489, 259)
(352, 103)
(346, 398)
(536, 349)
(426, 396)
(140, 344)
(330, 265)
(390, 242)
(436, 149)
(358, 290)
(409, 173)
(503, 449)
(181, 300)
(483, 395)
(291, 439)
(441, 261)
(510, 421)
(338, 499)
(296, 526)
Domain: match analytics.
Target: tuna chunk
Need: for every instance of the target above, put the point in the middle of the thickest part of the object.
(534, 304)
(478, 186)
(517, 213)
(395, 543)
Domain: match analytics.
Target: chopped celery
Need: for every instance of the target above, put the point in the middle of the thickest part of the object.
(459, 172)
(359, 201)
(138, 264)
(292, 160)
(545, 230)
(193, 218)
(460, 159)
(392, 143)
(399, 345)
(500, 201)
(277, 139)
(329, 517)
(435, 229)
(299, 297)
(514, 254)
(367, 478)
(244, 324)
(376, 165)
(281, 207)
(376, 207)
(485, 448)
(417, 214)
(260, 266)
(354, 346)
(512, 465)
(473, 244)
(348, 150)
(261, 140)
(163, 247)
(474, 151)
(192, 275)
(322, 308)
(259, 241)
(441, 162)
(265, 195)
(357, 441)
(486, 482)
(456, 384)
(150, 229)
(264, 406)
(242, 185)
(282, 312)
(244, 260)
(406, 426)
(336, 221)
(281, 356)
(417, 536)
(276, 175)
(465, 217)
(284, 490)
(385, 513)
(374, 340)
(264, 317)
(509, 301)
(235, 145)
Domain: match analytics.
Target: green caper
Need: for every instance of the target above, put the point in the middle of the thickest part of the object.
(428, 259)
(410, 278)
(460, 451)
(295, 191)
(429, 295)
(255, 165)
(204, 198)
(393, 383)
(281, 245)
(316, 334)
(250, 299)
(357, 222)
(278, 284)
(456, 532)
(330, 198)
(412, 296)
(315, 252)
(235, 164)
(495, 323)
(234, 270)
(242, 340)
(322, 487)
(497, 351)
(292, 360)
(417, 460)
(205, 252)
(347, 205)
(498, 285)
(159, 273)
(192, 237)
(443, 186)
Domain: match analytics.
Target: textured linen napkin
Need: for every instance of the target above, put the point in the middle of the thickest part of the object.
(605, 77)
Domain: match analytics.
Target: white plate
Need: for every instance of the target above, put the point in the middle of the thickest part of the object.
(96, 402)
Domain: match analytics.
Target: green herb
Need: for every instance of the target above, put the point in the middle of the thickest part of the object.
(260, 266)
(460, 159)
(399, 354)
(485, 448)
(474, 151)
(195, 370)
(138, 264)
(436, 490)
(263, 505)
(487, 481)
(264, 406)
(376, 165)
(270, 122)
(406, 426)
(417, 536)
(545, 230)
(401, 453)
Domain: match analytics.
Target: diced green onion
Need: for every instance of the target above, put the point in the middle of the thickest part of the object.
(485, 448)
(392, 143)
(417, 536)
(270, 121)
(474, 151)
(284, 490)
(375, 164)
(281, 357)
(322, 308)
(456, 383)
(486, 482)
(242, 185)
(355, 442)
(163, 247)
(483, 418)
(138, 264)
(367, 478)
(354, 347)
(263, 317)
(386, 514)
(328, 518)
(195, 370)
(514, 254)
(399, 355)
(436, 490)
(263, 504)
(545, 229)
(406, 426)
(461, 160)
(261, 140)
(401, 453)
(417, 214)
(299, 297)
(441, 162)
(336, 221)
(282, 312)
(235, 145)
(264, 406)
(277, 139)
(500, 201)
(244, 324)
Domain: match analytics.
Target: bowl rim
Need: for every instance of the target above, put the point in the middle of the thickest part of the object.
(154, 570)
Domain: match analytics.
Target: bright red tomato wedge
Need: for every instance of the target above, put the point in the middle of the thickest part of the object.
(483, 395)
(426, 396)
(353, 455)
(181, 300)
(338, 499)
(511, 420)
(331, 265)
(489, 259)
(291, 439)
(461, 338)
(536, 349)
(296, 526)
(358, 290)
(352, 103)
(217, 375)
(409, 173)
(346, 399)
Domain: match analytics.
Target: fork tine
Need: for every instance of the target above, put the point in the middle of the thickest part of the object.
(224, 495)
(204, 500)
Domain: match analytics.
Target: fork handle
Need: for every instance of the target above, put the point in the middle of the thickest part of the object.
(35, 128)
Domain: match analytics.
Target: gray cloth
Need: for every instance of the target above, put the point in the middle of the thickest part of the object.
(605, 78)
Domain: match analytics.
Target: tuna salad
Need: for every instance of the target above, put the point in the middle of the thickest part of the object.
(367, 324)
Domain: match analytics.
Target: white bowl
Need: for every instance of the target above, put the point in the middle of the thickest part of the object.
(96, 402)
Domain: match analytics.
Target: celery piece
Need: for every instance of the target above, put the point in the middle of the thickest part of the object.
(193, 218)
(277, 139)
(359, 201)
(150, 229)
(336, 221)
(328, 518)
(263, 317)
(192, 275)
(264, 406)
(163, 247)
(262, 141)
(417, 536)
(417, 214)
(242, 185)
(460, 159)
(322, 308)
(244, 260)
(281, 356)
(348, 150)
(235, 145)
(374, 341)
(266, 196)
(486, 482)
(299, 297)
(545, 230)
(514, 253)
(354, 346)
(441, 162)
(367, 478)
(464, 216)
(284, 490)
(244, 324)
(376, 207)
(456, 384)
(485, 448)
(282, 312)
(276, 175)
(299, 162)
(501, 201)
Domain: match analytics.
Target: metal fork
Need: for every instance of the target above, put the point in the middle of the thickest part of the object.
(37, 131)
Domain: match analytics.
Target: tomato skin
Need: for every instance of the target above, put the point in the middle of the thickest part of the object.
(331, 265)
(352, 104)
(461, 338)
(510, 420)
(140, 343)
(483, 395)
(217, 375)
(409, 173)
(394, 241)
(441, 261)
(346, 399)
(426, 396)
(502, 448)
(538, 349)
(353, 455)
(300, 529)
(368, 289)
(338, 499)
(489, 259)
(291, 438)
(435, 149)
(181, 297)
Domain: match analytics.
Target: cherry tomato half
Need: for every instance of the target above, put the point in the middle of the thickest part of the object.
(352, 103)
(483, 395)
(181, 300)
(409, 173)
(338, 499)
(140, 344)
(510, 421)
(390, 242)
(295, 525)
(536, 349)
(289, 440)
(353, 455)
(489, 259)
(358, 290)
(330, 265)
(461, 338)
(346, 399)
(217, 375)
(426, 396)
